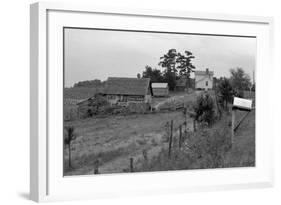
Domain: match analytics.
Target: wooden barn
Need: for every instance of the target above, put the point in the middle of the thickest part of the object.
(160, 89)
(122, 91)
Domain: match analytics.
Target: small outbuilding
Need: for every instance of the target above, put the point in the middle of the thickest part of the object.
(160, 89)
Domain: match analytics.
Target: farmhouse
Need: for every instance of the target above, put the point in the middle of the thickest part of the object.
(122, 91)
(204, 79)
(160, 89)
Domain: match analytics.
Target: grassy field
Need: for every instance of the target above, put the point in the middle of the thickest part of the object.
(114, 139)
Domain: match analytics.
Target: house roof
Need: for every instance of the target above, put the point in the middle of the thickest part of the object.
(204, 72)
(159, 85)
(127, 86)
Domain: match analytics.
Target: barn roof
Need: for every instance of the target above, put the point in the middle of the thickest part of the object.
(159, 85)
(127, 86)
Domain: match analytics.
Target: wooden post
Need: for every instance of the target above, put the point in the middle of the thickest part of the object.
(144, 154)
(180, 138)
(217, 104)
(194, 125)
(171, 139)
(233, 125)
(185, 122)
(131, 164)
(239, 123)
(96, 169)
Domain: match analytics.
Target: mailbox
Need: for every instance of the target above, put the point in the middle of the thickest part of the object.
(242, 104)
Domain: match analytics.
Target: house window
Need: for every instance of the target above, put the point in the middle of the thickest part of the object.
(207, 83)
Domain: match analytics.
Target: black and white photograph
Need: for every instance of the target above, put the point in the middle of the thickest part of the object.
(147, 101)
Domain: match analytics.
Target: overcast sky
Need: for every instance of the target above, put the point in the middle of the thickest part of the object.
(98, 54)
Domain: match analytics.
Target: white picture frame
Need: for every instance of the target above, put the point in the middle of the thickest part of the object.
(46, 179)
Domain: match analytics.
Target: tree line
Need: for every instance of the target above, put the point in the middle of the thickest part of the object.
(90, 83)
(177, 65)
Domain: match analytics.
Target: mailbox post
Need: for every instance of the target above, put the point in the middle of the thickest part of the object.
(239, 104)
(233, 124)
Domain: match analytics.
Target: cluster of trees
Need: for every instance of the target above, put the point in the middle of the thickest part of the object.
(90, 83)
(238, 82)
(175, 65)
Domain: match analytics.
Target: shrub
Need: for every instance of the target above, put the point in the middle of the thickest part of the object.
(96, 104)
(204, 109)
(225, 92)
(108, 109)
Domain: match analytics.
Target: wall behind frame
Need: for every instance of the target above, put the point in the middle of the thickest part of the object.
(14, 103)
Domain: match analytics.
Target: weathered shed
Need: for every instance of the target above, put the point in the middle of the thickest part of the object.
(125, 90)
(160, 89)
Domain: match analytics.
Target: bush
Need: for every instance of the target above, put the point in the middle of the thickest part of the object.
(108, 109)
(225, 92)
(204, 109)
(96, 105)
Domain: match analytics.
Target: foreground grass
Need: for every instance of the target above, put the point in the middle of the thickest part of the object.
(117, 138)
(210, 148)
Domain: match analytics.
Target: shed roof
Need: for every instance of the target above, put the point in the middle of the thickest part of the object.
(159, 85)
(127, 86)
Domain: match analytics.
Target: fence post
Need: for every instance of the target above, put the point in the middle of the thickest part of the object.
(131, 164)
(96, 169)
(194, 125)
(144, 154)
(185, 119)
(171, 139)
(180, 138)
(233, 125)
(185, 126)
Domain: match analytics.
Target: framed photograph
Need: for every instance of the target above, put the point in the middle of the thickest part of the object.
(127, 102)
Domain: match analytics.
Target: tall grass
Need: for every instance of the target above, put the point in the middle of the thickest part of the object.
(203, 149)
